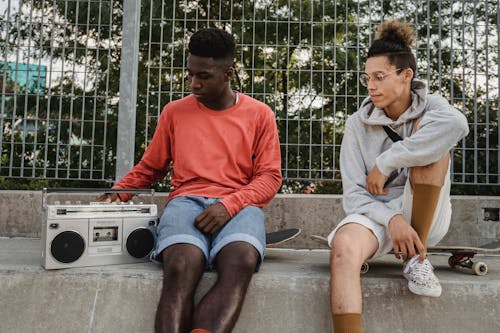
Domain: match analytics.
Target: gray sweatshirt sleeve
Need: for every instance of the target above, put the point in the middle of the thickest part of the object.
(441, 127)
(356, 199)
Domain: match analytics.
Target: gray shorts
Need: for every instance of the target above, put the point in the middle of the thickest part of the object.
(177, 226)
(403, 204)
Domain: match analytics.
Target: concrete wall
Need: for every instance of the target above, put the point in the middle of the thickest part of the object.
(289, 294)
(21, 216)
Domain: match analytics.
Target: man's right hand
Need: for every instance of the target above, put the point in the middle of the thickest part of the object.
(405, 241)
(109, 197)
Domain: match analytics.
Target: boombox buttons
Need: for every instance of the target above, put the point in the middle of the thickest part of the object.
(97, 234)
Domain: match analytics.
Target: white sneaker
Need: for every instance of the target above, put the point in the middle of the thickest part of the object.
(421, 278)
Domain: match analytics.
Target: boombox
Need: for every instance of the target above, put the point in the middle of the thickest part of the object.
(76, 234)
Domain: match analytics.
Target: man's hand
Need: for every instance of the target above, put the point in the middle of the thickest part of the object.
(212, 219)
(375, 182)
(405, 240)
(109, 197)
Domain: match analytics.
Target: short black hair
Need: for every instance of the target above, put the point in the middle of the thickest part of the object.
(212, 43)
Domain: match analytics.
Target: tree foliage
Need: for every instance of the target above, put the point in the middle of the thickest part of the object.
(303, 58)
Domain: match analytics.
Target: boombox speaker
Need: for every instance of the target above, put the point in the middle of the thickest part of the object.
(76, 235)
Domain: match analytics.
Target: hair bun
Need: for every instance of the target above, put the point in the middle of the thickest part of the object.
(397, 32)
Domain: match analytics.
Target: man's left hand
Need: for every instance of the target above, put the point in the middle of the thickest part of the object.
(375, 182)
(212, 219)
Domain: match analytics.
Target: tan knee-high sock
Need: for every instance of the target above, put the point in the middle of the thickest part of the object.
(347, 323)
(425, 199)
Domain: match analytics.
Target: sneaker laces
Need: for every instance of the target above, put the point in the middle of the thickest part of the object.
(422, 271)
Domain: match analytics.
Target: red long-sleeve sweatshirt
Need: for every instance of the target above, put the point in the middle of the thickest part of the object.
(232, 154)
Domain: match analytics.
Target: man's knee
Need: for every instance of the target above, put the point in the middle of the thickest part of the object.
(237, 257)
(182, 259)
(343, 249)
(432, 174)
(352, 244)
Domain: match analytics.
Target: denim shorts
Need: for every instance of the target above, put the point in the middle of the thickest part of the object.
(177, 226)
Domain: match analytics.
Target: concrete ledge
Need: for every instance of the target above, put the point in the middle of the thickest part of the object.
(315, 214)
(289, 294)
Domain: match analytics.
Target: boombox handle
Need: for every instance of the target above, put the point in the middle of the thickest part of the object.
(46, 191)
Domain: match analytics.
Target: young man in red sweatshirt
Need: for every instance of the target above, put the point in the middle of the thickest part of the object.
(222, 151)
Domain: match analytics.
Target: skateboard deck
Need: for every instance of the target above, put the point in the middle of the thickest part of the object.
(279, 237)
(460, 256)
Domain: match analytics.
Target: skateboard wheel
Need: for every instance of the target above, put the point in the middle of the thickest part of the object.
(480, 268)
(452, 261)
(364, 268)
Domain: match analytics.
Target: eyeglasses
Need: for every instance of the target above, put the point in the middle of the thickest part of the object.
(377, 76)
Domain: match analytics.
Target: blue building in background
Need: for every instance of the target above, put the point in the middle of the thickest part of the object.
(19, 79)
(26, 77)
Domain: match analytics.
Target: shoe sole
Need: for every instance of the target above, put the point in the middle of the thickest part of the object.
(429, 293)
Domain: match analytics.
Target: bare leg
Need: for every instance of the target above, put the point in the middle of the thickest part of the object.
(351, 246)
(218, 311)
(183, 266)
(426, 184)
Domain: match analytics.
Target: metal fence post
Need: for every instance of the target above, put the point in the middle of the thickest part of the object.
(128, 87)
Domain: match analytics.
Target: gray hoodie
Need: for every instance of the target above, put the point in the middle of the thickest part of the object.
(366, 144)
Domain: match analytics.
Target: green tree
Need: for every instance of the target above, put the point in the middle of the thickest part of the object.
(303, 58)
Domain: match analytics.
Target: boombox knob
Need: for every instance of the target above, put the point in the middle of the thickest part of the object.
(67, 247)
(140, 243)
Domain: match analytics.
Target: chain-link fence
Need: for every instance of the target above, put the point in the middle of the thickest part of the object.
(83, 82)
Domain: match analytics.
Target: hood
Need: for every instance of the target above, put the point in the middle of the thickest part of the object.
(372, 115)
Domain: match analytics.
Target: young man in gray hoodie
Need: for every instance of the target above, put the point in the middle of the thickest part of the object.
(396, 194)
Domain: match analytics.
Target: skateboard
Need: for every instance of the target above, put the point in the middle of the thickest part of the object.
(279, 237)
(460, 256)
